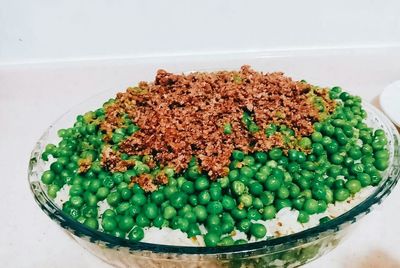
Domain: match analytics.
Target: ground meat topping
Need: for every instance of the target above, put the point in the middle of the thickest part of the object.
(112, 161)
(181, 116)
(149, 183)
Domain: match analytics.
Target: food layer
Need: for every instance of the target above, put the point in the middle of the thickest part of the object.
(216, 156)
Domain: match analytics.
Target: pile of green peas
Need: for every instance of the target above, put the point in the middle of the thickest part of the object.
(342, 156)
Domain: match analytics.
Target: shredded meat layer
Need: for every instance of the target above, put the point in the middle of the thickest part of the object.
(183, 116)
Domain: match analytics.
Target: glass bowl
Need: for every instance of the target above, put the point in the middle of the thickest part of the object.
(287, 251)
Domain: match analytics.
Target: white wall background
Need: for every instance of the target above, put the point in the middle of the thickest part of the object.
(48, 30)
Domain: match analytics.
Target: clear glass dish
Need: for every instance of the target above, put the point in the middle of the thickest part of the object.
(287, 251)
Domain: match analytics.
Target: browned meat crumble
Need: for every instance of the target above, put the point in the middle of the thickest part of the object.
(181, 116)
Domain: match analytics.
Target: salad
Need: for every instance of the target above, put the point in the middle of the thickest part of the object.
(220, 158)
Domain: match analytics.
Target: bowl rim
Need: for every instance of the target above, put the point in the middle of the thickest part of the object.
(307, 235)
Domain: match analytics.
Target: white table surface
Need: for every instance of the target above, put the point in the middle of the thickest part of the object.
(33, 96)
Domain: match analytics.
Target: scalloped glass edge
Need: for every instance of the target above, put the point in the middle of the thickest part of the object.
(274, 245)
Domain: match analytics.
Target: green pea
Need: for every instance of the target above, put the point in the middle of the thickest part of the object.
(304, 183)
(247, 172)
(341, 138)
(48, 177)
(272, 183)
(56, 167)
(91, 223)
(364, 179)
(228, 202)
(227, 128)
(108, 224)
(298, 203)
(248, 160)
(322, 206)
(91, 199)
(316, 136)
(257, 203)
(151, 211)
(75, 190)
(76, 201)
(233, 175)
(133, 210)
(204, 197)
(244, 225)
(336, 159)
(190, 216)
(142, 220)
(303, 217)
(246, 200)
(269, 212)
(305, 143)
(211, 239)
(308, 165)
(224, 182)
(341, 194)
(178, 200)
(258, 230)
(311, 206)
(376, 178)
(267, 198)
(183, 224)
(334, 171)
(169, 212)
(180, 181)
(215, 193)
(272, 164)
(381, 164)
(213, 220)
(126, 223)
(102, 193)
(136, 199)
(275, 154)
(357, 168)
(355, 153)
(331, 147)
(122, 207)
(261, 157)
(282, 203)
(202, 183)
(367, 149)
(238, 187)
(193, 172)
(125, 194)
(237, 155)
(157, 197)
(168, 191)
(283, 192)
(239, 214)
(319, 192)
(256, 188)
(293, 155)
(226, 241)
(186, 208)
(353, 186)
(201, 213)
(193, 230)
(214, 207)
(241, 242)
(193, 200)
(318, 149)
(367, 160)
(136, 234)
(377, 145)
(141, 168)
(328, 130)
